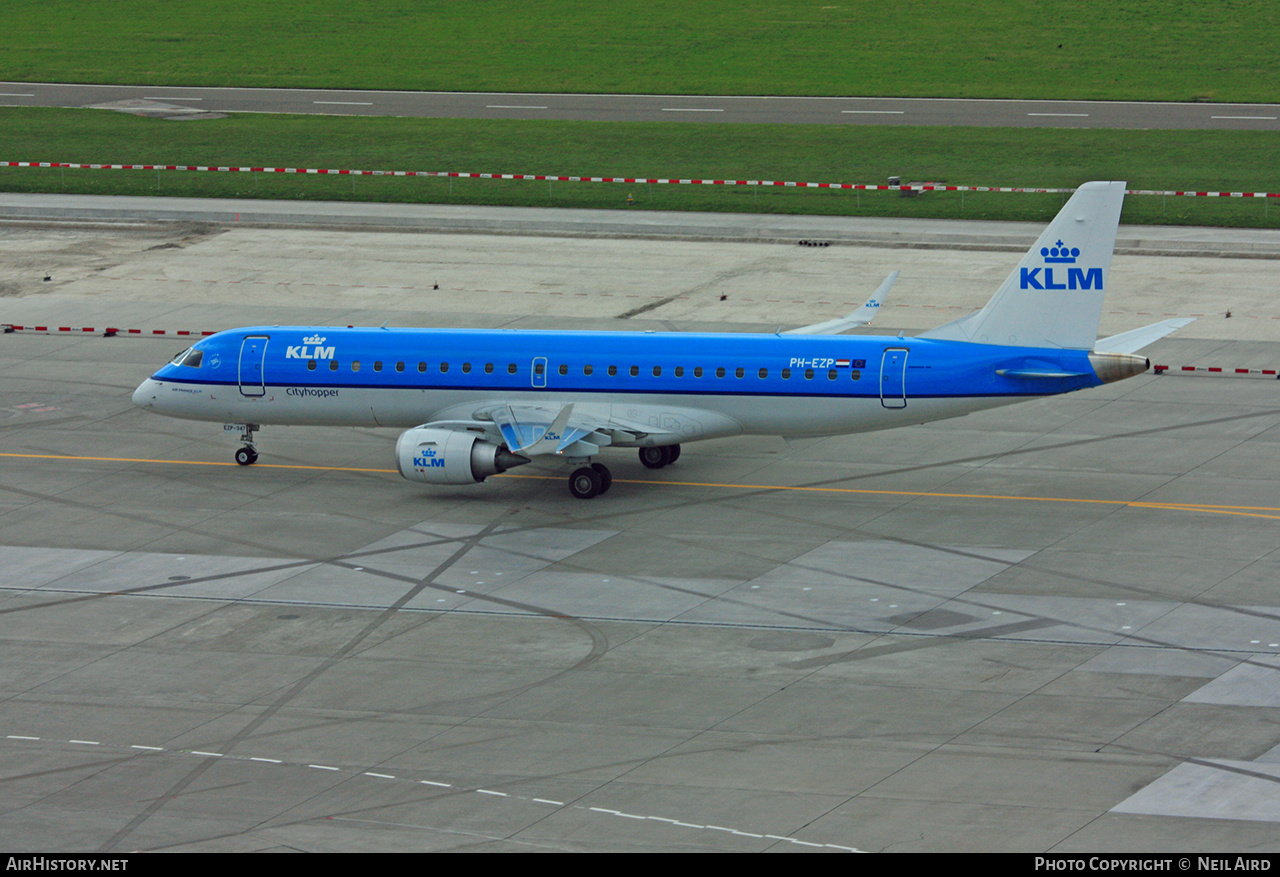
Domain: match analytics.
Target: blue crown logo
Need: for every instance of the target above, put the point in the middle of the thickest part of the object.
(429, 452)
(314, 339)
(1060, 253)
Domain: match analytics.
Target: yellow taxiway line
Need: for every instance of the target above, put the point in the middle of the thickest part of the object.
(1247, 511)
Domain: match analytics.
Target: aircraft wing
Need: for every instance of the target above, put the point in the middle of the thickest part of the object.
(531, 430)
(861, 317)
(572, 430)
(1136, 339)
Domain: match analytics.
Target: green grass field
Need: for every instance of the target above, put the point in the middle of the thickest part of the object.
(1217, 160)
(1155, 49)
(1172, 50)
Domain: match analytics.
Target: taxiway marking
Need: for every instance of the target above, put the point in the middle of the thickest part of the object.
(1272, 512)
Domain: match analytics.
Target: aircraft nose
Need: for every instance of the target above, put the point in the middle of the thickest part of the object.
(145, 395)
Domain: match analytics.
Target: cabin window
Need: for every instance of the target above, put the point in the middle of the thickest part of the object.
(466, 368)
(831, 375)
(422, 367)
(739, 372)
(586, 370)
(444, 367)
(855, 375)
(786, 374)
(400, 366)
(720, 372)
(764, 373)
(613, 370)
(539, 368)
(355, 365)
(333, 365)
(679, 371)
(488, 368)
(377, 366)
(511, 368)
(635, 371)
(564, 369)
(311, 365)
(808, 374)
(697, 371)
(657, 371)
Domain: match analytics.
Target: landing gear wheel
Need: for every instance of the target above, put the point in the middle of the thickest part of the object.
(246, 456)
(655, 458)
(586, 483)
(675, 454)
(606, 477)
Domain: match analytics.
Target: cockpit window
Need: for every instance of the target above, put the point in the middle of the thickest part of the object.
(189, 357)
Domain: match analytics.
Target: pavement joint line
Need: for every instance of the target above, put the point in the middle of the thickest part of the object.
(477, 790)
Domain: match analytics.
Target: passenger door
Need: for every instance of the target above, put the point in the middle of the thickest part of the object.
(253, 355)
(893, 378)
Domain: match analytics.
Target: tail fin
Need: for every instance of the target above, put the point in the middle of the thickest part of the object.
(1054, 297)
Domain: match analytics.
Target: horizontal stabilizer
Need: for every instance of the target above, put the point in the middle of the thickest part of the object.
(1136, 339)
(861, 317)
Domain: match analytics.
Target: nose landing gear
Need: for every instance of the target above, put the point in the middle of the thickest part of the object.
(246, 454)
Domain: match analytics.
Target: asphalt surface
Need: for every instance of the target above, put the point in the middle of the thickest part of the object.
(742, 227)
(168, 100)
(1053, 627)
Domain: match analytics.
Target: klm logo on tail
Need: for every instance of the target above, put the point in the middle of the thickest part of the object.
(1076, 278)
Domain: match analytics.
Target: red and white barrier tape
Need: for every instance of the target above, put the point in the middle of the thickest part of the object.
(14, 327)
(1161, 369)
(1204, 194)
(862, 187)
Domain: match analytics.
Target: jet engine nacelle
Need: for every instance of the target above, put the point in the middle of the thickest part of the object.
(446, 456)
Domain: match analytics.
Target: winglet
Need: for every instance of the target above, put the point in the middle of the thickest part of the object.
(550, 439)
(861, 317)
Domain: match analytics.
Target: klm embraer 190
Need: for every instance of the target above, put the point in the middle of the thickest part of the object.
(475, 403)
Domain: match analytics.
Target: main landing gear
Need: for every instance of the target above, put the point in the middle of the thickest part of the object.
(656, 458)
(588, 482)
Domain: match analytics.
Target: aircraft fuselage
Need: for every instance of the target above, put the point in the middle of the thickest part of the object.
(682, 385)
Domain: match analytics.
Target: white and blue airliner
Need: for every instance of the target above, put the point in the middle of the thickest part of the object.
(475, 403)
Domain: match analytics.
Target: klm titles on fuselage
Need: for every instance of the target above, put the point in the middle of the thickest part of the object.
(1076, 278)
(310, 348)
